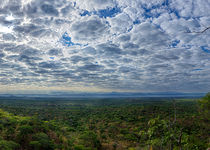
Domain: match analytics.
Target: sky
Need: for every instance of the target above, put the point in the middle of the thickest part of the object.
(105, 45)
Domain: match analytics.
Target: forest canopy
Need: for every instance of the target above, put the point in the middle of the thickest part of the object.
(107, 124)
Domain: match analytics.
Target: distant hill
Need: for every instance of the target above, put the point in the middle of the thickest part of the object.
(109, 95)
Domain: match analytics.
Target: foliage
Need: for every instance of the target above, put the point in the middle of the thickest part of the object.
(204, 104)
(8, 145)
(60, 124)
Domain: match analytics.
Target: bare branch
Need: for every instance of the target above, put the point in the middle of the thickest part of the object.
(199, 31)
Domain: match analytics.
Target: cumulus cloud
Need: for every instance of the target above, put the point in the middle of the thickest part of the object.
(94, 4)
(89, 29)
(136, 45)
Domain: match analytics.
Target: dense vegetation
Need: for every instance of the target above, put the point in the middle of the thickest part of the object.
(107, 124)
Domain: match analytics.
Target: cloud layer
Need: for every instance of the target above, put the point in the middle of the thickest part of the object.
(117, 45)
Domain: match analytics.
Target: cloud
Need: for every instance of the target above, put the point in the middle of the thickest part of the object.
(194, 8)
(91, 67)
(121, 23)
(55, 52)
(149, 36)
(49, 10)
(94, 4)
(8, 37)
(108, 44)
(91, 28)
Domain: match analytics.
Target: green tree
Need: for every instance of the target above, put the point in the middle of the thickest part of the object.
(23, 135)
(42, 141)
(204, 105)
(8, 145)
(90, 139)
(36, 145)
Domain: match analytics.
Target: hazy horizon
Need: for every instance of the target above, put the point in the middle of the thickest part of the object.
(72, 94)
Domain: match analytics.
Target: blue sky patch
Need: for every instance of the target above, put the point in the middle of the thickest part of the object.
(205, 49)
(74, 4)
(197, 69)
(129, 29)
(85, 12)
(149, 14)
(175, 12)
(136, 22)
(148, 11)
(66, 40)
(174, 43)
(109, 12)
(103, 13)
(166, 3)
